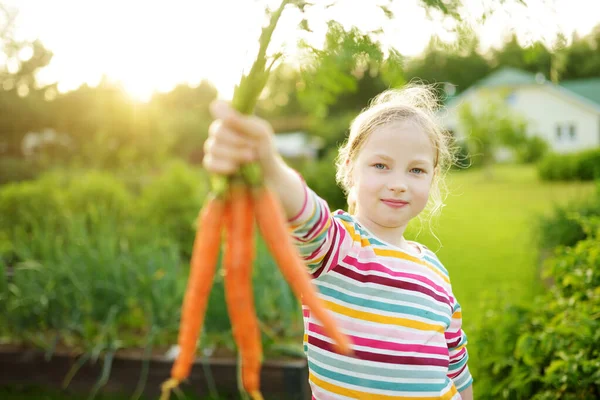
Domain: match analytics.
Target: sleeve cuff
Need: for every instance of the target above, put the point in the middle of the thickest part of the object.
(464, 380)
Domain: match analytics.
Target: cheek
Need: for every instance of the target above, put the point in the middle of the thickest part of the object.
(422, 189)
(366, 190)
(370, 183)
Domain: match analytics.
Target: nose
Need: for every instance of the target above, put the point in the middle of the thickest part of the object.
(397, 185)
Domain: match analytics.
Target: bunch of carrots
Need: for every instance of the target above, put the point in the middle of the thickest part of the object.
(233, 206)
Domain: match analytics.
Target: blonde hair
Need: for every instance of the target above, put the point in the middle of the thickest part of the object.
(415, 103)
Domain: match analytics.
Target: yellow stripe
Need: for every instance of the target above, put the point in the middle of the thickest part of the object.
(355, 394)
(318, 260)
(392, 253)
(382, 319)
(354, 235)
(459, 348)
(457, 315)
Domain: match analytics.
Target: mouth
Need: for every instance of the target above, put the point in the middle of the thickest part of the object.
(394, 203)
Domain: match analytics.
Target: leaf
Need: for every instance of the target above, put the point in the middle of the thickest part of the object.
(388, 13)
(301, 4)
(304, 25)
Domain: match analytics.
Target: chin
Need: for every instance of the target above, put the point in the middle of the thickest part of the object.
(391, 222)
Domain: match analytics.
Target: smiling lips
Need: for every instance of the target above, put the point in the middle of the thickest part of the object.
(394, 203)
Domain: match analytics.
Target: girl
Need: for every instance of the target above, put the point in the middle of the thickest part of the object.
(391, 296)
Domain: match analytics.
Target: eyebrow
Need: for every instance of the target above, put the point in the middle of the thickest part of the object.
(383, 156)
(414, 160)
(422, 161)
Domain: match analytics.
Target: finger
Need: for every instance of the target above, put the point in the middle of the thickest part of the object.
(218, 165)
(249, 125)
(221, 149)
(233, 154)
(232, 138)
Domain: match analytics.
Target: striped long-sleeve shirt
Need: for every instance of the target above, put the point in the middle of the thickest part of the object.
(397, 308)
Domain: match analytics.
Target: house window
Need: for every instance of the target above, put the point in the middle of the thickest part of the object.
(558, 132)
(572, 132)
(510, 98)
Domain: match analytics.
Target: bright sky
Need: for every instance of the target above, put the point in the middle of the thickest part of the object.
(155, 44)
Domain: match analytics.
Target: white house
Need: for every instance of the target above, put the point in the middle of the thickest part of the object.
(298, 145)
(566, 116)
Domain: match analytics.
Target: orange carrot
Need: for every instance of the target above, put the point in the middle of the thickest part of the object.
(203, 263)
(271, 222)
(238, 259)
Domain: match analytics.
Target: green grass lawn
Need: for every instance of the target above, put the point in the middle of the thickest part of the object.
(487, 231)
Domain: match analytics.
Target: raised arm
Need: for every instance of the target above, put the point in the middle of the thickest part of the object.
(235, 139)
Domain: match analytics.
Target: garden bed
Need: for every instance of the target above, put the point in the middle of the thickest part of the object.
(281, 379)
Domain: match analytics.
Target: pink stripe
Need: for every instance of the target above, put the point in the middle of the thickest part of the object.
(320, 225)
(314, 253)
(385, 345)
(303, 205)
(458, 356)
(453, 335)
(338, 242)
(332, 246)
(390, 331)
(373, 266)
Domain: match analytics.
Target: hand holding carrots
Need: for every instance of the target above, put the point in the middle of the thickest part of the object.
(235, 139)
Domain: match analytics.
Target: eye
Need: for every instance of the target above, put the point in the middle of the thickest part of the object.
(379, 166)
(417, 171)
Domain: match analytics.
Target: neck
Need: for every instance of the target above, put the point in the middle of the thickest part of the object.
(392, 235)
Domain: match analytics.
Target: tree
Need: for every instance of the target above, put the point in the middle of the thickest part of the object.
(490, 125)
(21, 100)
(583, 56)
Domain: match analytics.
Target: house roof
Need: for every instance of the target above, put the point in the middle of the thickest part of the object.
(588, 88)
(584, 90)
(509, 77)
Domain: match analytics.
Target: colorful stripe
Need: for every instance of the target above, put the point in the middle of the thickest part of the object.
(397, 309)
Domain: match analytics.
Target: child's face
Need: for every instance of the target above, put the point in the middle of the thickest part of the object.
(392, 176)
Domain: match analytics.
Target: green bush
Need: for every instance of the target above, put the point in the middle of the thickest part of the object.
(320, 176)
(26, 208)
(582, 166)
(549, 349)
(462, 154)
(17, 169)
(98, 194)
(171, 203)
(532, 150)
(99, 267)
(563, 226)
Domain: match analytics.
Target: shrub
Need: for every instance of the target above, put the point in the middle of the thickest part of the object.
(98, 194)
(17, 169)
(532, 150)
(463, 157)
(98, 267)
(320, 177)
(171, 203)
(563, 226)
(548, 350)
(25, 209)
(583, 166)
